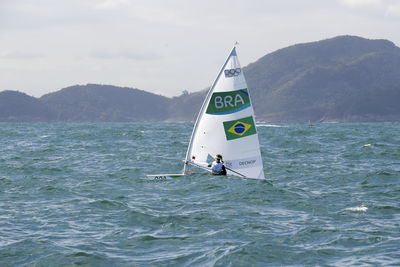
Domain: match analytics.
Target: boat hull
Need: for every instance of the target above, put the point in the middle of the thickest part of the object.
(164, 176)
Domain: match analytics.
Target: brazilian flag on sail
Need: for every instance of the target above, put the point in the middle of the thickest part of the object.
(239, 128)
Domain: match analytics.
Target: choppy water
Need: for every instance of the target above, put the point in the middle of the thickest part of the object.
(76, 194)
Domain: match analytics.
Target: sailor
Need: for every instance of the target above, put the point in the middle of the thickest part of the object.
(217, 167)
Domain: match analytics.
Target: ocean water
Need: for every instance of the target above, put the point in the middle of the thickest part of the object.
(76, 195)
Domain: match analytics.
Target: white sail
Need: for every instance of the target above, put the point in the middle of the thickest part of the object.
(226, 125)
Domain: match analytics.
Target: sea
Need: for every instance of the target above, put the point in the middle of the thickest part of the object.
(77, 195)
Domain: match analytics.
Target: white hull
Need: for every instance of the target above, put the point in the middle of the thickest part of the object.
(164, 176)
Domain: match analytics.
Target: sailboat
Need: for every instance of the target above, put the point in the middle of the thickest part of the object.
(225, 125)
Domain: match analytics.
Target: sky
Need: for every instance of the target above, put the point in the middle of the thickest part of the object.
(166, 46)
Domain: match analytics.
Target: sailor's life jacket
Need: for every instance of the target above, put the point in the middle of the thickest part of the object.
(218, 168)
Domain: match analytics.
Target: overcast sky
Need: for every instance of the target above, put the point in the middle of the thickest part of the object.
(165, 46)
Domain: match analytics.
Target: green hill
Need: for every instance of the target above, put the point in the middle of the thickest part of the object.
(186, 106)
(19, 107)
(346, 78)
(101, 103)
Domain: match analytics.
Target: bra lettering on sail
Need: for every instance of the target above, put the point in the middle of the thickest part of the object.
(228, 102)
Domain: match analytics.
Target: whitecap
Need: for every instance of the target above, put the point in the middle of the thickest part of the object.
(366, 145)
(270, 125)
(360, 208)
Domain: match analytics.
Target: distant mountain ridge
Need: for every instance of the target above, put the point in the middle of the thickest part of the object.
(329, 80)
(102, 103)
(19, 107)
(346, 78)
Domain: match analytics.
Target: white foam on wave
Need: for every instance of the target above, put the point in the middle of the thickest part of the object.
(360, 208)
(366, 145)
(270, 125)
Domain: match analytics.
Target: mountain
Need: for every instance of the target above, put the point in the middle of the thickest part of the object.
(19, 107)
(186, 106)
(346, 78)
(101, 103)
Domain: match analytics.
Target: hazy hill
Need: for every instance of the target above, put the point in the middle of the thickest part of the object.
(19, 107)
(345, 78)
(186, 106)
(93, 102)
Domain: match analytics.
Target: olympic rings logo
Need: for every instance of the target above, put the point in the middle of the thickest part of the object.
(232, 72)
